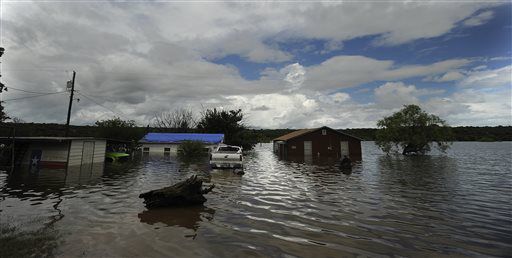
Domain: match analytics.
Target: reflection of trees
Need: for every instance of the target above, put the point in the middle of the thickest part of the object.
(428, 174)
(186, 217)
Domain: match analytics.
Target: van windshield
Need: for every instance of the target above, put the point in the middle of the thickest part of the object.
(228, 149)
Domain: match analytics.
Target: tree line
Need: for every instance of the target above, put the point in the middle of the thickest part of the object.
(460, 133)
(228, 122)
(231, 124)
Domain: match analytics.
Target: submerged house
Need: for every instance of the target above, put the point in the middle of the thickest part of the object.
(168, 143)
(323, 142)
(58, 152)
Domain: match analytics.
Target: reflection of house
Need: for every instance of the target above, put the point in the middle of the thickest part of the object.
(321, 142)
(58, 152)
(168, 143)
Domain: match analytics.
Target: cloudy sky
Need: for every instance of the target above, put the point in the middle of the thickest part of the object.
(286, 64)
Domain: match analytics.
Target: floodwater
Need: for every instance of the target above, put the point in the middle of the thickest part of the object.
(458, 204)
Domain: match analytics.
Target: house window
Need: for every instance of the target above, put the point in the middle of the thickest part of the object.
(167, 153)
(324, 132)
(145, 149)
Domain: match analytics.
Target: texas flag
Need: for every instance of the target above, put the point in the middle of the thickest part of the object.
(35, 159)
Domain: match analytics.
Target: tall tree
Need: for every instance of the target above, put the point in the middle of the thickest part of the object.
(413, 131)
(119, 129)
(180, 118)
(230, 123)
(115, 122)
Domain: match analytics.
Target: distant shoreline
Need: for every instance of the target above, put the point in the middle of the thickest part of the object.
(461, 133)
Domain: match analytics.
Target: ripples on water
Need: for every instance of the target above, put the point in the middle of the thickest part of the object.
(457, 204)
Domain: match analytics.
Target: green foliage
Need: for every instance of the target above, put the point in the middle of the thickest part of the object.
(413, 131)
(191, 149)
(125, 130)
(115, 122)
(230, 123)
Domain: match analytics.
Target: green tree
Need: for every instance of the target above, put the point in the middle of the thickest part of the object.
(413, 131)
(230, 123)
(119, 129)
(115, 122)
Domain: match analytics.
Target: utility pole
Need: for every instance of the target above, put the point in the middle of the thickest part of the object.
(70, 102)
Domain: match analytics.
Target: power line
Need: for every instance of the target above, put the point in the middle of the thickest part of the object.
(89, 98)
(28, 91)
(34, 96)
(34, 69)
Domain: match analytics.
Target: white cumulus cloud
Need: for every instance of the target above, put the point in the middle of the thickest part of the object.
(489, 78)
(295, 75)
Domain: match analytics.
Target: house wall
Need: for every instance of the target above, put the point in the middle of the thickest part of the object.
(325, 146)
(158, 148)
(55, 154)
(77, 148)
(51, 152)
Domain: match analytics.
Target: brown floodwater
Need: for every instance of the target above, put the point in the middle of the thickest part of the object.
(458, 204)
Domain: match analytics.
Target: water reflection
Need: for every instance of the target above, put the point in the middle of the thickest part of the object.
(453, 205)
(186, 217)
(19, 242)
(48, 181)
(420, 183)
(42, 192)
(310, 160)
(430, 171)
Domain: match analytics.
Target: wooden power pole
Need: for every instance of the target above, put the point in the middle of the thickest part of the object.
(70, 102)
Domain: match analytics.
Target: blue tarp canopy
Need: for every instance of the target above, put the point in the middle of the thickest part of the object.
(180, 137)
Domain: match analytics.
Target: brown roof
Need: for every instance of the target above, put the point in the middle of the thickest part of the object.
(297, 133)
(294, 134)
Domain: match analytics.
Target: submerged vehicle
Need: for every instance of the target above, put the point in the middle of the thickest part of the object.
(227, 156)
(116, 156)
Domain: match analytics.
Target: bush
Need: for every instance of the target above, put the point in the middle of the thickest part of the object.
(191, 149)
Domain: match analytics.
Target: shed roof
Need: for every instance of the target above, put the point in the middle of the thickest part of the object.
(49, 138)
(293, 134)
(298, 133)
(180, 137)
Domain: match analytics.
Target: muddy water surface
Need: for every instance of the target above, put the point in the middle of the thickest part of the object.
(457, 204)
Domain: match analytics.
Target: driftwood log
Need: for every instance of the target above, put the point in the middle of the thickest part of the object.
(188, 192)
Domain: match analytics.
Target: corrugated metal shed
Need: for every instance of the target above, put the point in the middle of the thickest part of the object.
(181, 137)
